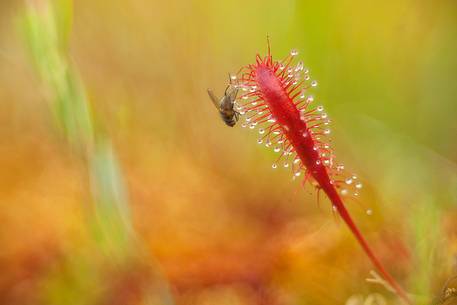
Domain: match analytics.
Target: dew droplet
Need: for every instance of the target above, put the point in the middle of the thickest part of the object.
(358, 186)
(277, 149)
(306, 77)
(310, 99)
(326, 162)
(274, 166)
(314, 83)
(297, 174)
(327, 131)
(286, 164)
(305, 134)
(320, 108)
(232, 77)
(299, 66)
(324, 116)
(252, 126)
(318, 162)
(348, 181)
(369, 212)
(259, 141)
(296, 161)
(261, 131)
(294, 52)
(244, 125)
(344, 192)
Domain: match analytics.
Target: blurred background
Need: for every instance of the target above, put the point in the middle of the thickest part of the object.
(119, 183)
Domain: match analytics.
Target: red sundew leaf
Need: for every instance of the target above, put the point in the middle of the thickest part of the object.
(274, 99)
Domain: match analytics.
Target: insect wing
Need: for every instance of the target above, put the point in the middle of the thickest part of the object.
(233, 92)
(213, 97)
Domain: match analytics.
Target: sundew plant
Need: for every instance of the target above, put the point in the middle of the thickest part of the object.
(276, 101)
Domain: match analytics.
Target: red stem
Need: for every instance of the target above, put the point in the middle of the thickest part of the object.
(337, 202)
